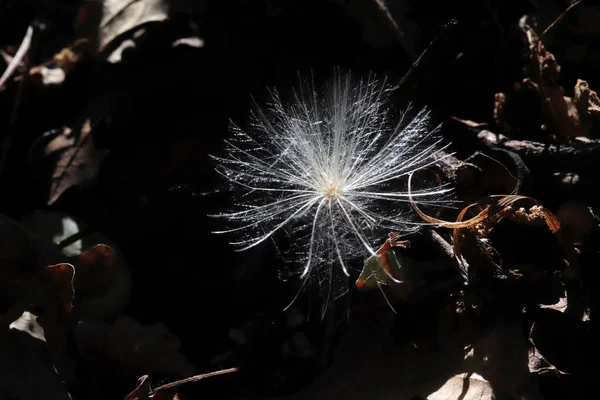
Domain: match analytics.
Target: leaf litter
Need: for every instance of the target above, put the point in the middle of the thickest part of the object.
(495, 300)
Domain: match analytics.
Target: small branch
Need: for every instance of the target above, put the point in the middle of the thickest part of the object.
(18, 58)
(560, 18)
(195, 378)
(388, 19)
(578, 155)
(28, 43)
(73, 238)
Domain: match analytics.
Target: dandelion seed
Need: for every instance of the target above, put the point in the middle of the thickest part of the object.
(330, 170)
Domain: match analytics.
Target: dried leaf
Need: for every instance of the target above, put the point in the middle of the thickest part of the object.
(560, 109)
(465, 386)
(78, 160)
(492, 210)
(96, 269)
(499, 106)
(538, 365)
(588, 104)
(62, 278)
(560, 306)
(24, 359)
(105, 22)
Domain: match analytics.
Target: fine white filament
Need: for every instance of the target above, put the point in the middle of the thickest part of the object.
(330, 169)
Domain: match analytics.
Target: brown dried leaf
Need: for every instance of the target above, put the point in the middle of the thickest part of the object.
(499, 105)
(588, 104)
(492, 210)
(96, 269)
(103, 23)
(560, 109)
(61, 278)
(78, 159)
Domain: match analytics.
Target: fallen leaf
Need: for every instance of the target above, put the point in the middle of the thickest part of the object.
(96, 269)
(538, 365)
(465, 386)
(26, 359)
(560, 110)
(77, 159)
(588, 104)
(103, 23)
(61, 278)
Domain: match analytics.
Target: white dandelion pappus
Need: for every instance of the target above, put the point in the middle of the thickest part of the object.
(330, 169)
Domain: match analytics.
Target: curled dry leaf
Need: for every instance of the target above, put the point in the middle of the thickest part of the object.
(104, 22)
(96, 269)
(538, 365)
(61, 278)
(412, 269)
(71, 155)
(561, 111)
(492, 209)
(588, 104)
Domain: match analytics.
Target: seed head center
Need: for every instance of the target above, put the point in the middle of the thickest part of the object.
(332, 191)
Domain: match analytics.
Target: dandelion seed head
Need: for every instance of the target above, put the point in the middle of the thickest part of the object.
(329, 170)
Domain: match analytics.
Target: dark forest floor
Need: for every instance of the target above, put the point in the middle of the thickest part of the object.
(108, 268)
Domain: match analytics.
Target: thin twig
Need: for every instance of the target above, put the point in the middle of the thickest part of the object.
(29, 41)
(73, 238)
(393, 26)
(195, 378)
(560, 17)
(19, 56)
